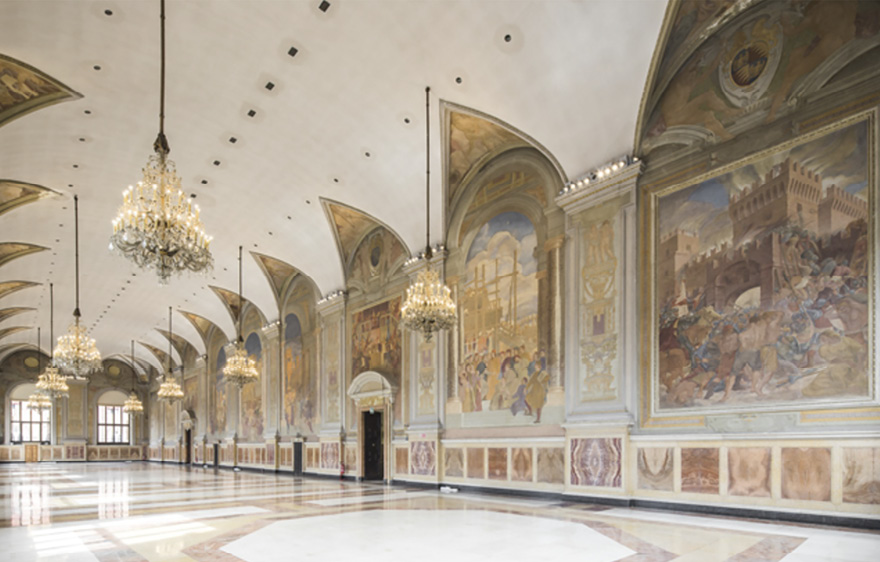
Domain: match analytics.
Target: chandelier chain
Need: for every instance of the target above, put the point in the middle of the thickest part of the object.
(428, 252)
(76, 312)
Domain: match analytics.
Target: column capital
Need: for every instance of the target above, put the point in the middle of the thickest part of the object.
(554, 243)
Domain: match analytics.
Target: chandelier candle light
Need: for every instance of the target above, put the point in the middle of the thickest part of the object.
(158, 227)
(240, 369)
(77, 354)
(51, 383)
(169, 390)
(133, 405)
(428, 307)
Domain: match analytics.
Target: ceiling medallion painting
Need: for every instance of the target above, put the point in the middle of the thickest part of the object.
(751, 57)
(23, 89)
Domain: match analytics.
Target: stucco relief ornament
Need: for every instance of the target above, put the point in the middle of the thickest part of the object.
(749, 61)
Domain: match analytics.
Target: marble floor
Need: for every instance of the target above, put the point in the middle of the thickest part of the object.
(129, 512)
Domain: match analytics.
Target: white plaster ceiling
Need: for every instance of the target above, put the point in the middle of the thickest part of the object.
(571, 78)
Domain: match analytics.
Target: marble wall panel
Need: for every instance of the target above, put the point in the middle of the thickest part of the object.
(350, 459)
(401, 460)
(749, 471)
(521, 464)
(806, 473)
(497, 463)
(656, 467)
(454, 463)
(330, 455)
(551, 465)
(699, 470)
(861, 475)
(475, 462)
(423, 457)
(596, 462)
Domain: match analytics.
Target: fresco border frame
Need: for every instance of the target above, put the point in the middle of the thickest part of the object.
(858, 410)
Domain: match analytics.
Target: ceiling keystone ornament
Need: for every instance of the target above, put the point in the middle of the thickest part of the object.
(133, 404)
(76, 354)
(169, 390)
(428, 307)
(158, 227)
(240, 369)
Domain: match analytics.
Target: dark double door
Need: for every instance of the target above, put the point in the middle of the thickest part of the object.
(373, 457)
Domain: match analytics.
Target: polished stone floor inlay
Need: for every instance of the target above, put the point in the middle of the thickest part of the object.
(136, 512)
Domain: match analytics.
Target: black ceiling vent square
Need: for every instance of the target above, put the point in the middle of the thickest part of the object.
(270, 85)
(292, 51)
(324, 6)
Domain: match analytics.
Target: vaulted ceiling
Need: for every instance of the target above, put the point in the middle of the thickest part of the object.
(344, 122)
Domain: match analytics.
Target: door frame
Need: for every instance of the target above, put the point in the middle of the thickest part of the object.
(371, 390)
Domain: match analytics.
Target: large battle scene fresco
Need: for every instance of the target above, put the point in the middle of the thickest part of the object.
(376, 344)
(502, 368)
(763, 280)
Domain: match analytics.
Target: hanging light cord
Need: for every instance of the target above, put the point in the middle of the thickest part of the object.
(52, 322)
(161, 143)
(240, 299)
(39, 351)
(170, 335)
(133, 368)
(428, 252)
(76, 313)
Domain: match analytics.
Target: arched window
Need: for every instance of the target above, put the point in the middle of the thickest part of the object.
(26, 425)
(113, 426)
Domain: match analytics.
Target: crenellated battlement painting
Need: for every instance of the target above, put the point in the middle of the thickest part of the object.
(763, 279)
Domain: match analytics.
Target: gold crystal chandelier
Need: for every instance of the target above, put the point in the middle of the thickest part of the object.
(133, 405)
(169, 390)
(51, 383)
(77, 354)
(39, 401)
(240, 369)
(157, 226)
(428, 306)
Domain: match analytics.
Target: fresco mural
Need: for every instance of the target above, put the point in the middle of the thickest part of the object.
(12, 250)
(502, 368)
(191, 394)
(349, 226)
(299, 387)
(376, 257)
(218, 413)
(24, 89)
(331, 368)
(762, 280)
(252, 395)
(750, 73)
(15, 193)
(472, 138)
(376, 344)
(9, 287)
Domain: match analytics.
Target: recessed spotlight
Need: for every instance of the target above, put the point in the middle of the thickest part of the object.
(324, 6)
(76, 165)
(59, 224)
(255, 245)
(88, 111)
(288, 217)
(70, 185)
(270, 85)
(367, 154)
(233, 140)
(406, 120)
(335, 180)
(224, 269)
(251, 113)
(204, 182)
(97, 67)
(308, 202)
(458, 79)
(270, 233)
(292, 51)
(216, 162)
(82, 139)
(108, 12)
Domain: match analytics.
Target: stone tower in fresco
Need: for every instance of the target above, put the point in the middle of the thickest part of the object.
(788, 194)
(792, 194)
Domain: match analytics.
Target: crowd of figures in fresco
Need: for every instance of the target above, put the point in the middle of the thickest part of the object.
(810, 342)
(511, 380)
